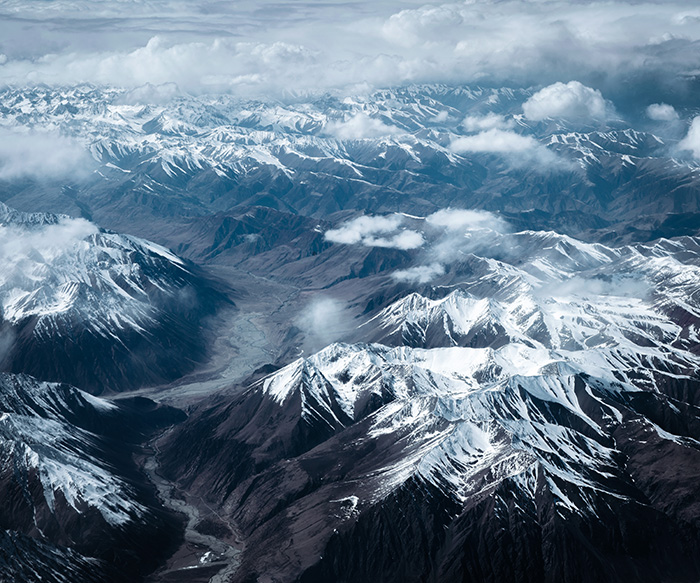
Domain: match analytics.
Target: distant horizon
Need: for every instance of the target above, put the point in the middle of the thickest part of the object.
(634, 53)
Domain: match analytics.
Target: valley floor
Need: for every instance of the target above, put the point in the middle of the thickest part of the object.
(209, 549)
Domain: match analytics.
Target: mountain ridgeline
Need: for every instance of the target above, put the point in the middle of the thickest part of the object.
(516, 429)
(96, 309)
(347, 339)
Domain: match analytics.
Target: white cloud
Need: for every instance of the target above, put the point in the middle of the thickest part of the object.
(266, 47)
(410, 27)
(41, 155)
(457, 232)
(465, 220)
(420, 273)
(662, 112)
(25, 253)
(446, 237)
(691, 141)
(573, 101)
(151, 94)
(452, 234)
(520, 150)
(404, 240)
(489, 121)
(324, 320)
(622, 285)
(376, 231)
(360, 126)
(495, 141)
(356, 230)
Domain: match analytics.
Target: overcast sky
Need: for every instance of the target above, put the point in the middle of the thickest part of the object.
(646, 51)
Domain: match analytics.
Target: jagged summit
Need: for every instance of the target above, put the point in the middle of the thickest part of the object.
(396, 149)
(74, 504)
(84, 305)
(547, 405)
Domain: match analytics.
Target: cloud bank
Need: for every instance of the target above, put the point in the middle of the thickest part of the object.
(644, 51)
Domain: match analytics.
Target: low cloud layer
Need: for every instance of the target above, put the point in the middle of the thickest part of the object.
(691, 142)
(41, 156)
(376, 231)
(644, 51)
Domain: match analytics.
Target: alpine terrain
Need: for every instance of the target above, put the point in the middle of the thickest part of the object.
(349, 292)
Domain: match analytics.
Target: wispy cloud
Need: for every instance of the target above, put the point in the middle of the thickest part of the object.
(324, 320)
(419, 273)
(490, 121)
(467, 220)
(360, 126)
(519, 149)
(26, 253)
(41, 155)
(495, 141)
(691, 142)
(622, 285)
(439, 239)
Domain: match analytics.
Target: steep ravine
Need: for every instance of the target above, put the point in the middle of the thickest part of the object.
(209, 550)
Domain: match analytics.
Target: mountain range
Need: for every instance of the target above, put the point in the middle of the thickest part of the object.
(411, 335)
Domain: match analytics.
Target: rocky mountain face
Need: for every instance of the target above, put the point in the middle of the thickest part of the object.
(446, 362)
(25, 559)
(103, 311)
(76, 507)
(522, 426)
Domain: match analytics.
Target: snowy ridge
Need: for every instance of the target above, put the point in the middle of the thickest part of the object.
(348, 136)
(26, 559)
(96, 309)
(39, 441)
(69, 269)
(486, 383)
(55, 452)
